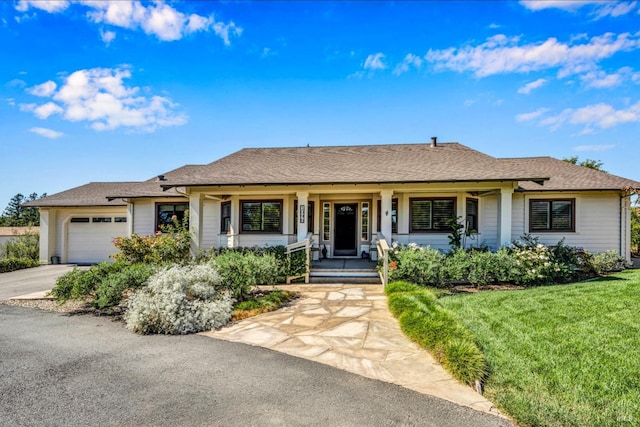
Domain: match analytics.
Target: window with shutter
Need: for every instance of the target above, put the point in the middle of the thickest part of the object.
(551, 215)
(261, 216)
(431, 214)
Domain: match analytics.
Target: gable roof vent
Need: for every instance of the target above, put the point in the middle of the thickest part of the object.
(161, 178)
(434, 141)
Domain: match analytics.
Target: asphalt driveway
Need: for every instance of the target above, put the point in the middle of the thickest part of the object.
(60, 370)
(37, 279)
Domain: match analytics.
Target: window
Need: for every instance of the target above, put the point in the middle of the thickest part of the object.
(120, 219)
(364, 230)
(309, 215)
(79, 219)
(101, 219)
(394, 215)
(261, 216)
(165, 213)
(472, 216)
(551, 215)
(225, 217)
(432, 214)
(326, 221)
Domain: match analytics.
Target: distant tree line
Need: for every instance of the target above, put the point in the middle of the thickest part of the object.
(16, 215)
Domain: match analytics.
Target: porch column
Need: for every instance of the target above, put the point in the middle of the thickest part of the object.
(130, 211)
(385, 214)
(195, 221)
(504, 217)
(303, 205)
(234, 226)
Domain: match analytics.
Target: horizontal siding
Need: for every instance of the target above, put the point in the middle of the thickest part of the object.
(488, 223)
(144, 217)
(597, 223)
(210, 224)
(435, 241)
(517, 216)
(248, 240)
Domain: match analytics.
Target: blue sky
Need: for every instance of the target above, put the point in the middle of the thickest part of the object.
(126, 90)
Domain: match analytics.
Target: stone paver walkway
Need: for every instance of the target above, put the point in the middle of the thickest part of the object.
(349, 327)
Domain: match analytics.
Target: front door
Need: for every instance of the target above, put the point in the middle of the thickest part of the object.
(346, 231)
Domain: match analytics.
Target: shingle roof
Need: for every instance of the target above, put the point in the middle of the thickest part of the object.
(111, 193)
(447, 162)
(350, 164)
(564, 176)
(17, 231)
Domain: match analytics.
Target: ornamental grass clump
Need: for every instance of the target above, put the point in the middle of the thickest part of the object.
(438, 330)
(180, 300)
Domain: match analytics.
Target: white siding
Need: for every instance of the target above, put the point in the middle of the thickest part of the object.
(144, 221)
(249, 240)
(517, 216)
(436, 241)
(488, 223)
(597, 220)
(210, 224)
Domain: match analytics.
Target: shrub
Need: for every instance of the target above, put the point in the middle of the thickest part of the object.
(24, 246)
(241, 271)
(13, 264)
(285, 265)
(109, 291)
(171, 246)
(427, 323)
(79, 284)
(536, 265)
(416, 264)
(179, 300)
(456, 266)
(607, 262)
(489, 268)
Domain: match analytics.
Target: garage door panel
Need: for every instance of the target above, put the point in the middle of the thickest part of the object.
(92, 242)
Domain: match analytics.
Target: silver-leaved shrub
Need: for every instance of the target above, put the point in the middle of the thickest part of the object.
(180, 300)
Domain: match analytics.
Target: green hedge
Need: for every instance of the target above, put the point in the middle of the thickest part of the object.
(13, 264)
(438, 330)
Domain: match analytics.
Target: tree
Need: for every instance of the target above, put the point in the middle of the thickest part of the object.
(587, 163)
(15, 215)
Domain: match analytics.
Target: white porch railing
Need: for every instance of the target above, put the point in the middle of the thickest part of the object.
(383, 254)
(305, 246)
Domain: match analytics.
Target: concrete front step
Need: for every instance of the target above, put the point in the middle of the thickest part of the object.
(325, 272)
(345, 280)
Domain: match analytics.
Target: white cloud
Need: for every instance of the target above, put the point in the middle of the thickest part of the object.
(158, 18)
(603, 147)
(107, 36)
(409, 61)
(525, 117)
(47, 133)
(501, 54)
(16, 83)
(375, 61)
(494, 26)
(42, 111)
(603, 116)
(44, 89)
(100, 97)
(598, 8)
(51, 6)
(600, 79)
(526, 89)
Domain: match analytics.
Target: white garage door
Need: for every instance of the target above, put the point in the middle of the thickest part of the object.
(90, 238)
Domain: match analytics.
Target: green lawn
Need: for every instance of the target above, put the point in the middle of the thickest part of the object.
(564, 355)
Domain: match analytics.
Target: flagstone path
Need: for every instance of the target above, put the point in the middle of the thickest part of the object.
(349, 327)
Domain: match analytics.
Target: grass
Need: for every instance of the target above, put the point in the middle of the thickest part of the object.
(438, 330)
(561, 355)
(261, 303)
